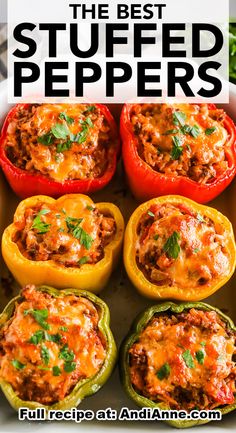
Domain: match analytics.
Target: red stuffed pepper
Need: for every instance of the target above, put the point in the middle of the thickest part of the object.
(185, 149)
(56, 149)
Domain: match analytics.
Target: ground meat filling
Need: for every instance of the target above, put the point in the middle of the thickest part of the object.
(46, 232)
(49, 345)
(185, 361)
(181, 139)
(60, 141)
(179, 247)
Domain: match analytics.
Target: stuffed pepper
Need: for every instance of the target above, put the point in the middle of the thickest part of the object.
(186, 149)
(55, 347)
(181, 357)
(57, 149)
(68, 241)
(178, 249)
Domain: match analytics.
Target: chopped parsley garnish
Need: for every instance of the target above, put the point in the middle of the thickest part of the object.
(210, 131)
(179, 118)
(68, 119)
(66, 354)
(78, 232)
(40, 367)
(90, 109)
(203, 343)
(177, 148)
(45, 355)
(164, 371)
(69, 366)
(40, 336)
(83, 260)
(63, 328)
(46, 139)
(171, 131)
(60, 130)
(17, 364)
(196, 250)
(195, 131)
(155, 237)
(188, 359)
(39, 225)
(37, 337)
(151, 214)
(200, 355)
(56, 371)
(172, 247)
(61, 147)
(40, 316)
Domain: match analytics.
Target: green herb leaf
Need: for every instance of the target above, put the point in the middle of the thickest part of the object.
(171, 131)
(40, 316)
(39, 225)
(45, 355)
(78, 232)
(60, 130)
(83, 260)
(155, 237)
(172, 247)
(37, 337)
(164, 371)
(81, 136)
(186, 129)
(203, 343)
(56, 371)
(195, 131)
(210, 131)
(63, 328)
(17, 364)
(200, 355)
(66, 354)
(89, 122)
(90, 207)
(54, 338)
(69, 366)
(196, 250)
(68, 119)
(179, 118)
(177, 148)
(62, 147)
(188, 359)
(40, 367)
(46, 139)
(151, 214)
(90, 109)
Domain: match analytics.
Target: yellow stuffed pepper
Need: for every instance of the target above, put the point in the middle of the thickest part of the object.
(176, 248)
(66, 242)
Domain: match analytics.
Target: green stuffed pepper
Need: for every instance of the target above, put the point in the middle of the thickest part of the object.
(56, 348)
(181, 357)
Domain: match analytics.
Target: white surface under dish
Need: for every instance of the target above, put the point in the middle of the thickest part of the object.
(125, 304)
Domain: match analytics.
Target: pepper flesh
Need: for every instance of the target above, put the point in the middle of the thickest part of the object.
(146, 183)
(175, 291)
(138, 326)
(91, 277)
(26, 184)
(85, 387)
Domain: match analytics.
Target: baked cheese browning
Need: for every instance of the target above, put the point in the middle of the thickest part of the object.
(186, 361)
(179, 247)
(47, 232)
(60, 141)
(181, 139)
(49, 345)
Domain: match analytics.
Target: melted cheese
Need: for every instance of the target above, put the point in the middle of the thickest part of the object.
(176, 342)
(36, 381)
(202, 256)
